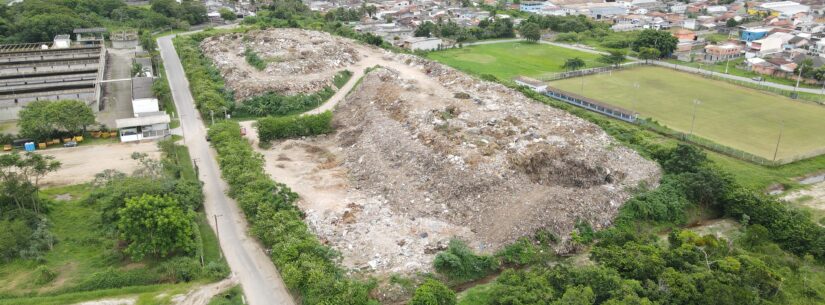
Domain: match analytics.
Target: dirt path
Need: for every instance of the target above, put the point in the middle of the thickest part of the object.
(80, 164)
(123, 301)
(202, 295)
(812, 197)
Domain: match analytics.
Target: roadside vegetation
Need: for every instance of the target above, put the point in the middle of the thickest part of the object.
(308, 268)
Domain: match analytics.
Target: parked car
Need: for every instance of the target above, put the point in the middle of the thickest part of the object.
(243, 131)
(758, 78)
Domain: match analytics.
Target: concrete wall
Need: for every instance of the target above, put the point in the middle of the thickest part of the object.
(124, 44)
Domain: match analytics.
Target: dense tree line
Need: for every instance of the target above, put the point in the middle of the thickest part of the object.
(205, 80)
(41, 20)
(486, 29)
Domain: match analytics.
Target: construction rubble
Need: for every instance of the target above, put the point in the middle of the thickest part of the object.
(298, 61)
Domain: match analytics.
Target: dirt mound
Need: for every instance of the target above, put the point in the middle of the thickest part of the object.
(297, 61)
(496, 163)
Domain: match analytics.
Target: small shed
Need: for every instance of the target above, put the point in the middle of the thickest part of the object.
(148, 126)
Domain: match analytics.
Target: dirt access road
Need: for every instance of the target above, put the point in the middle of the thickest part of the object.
(261, 282)
(80, 164)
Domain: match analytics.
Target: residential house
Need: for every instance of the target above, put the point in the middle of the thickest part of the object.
(422, 43)
(784, 8)
(722, 52)
(531, 6)
(751, 34)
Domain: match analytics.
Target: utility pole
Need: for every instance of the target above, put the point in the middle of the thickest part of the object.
(778, 139)
(582, 76)
(727, 63)
(218, 234)
(212, 115)
(798, 78)
(693, 121)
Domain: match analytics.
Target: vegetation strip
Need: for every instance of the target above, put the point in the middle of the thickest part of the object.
(308, 268)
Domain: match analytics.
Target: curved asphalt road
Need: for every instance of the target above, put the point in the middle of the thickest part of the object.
(261, 282)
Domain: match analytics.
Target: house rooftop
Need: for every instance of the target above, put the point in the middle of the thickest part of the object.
(158, 118)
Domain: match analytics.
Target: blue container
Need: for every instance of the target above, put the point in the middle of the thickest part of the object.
(29, 146)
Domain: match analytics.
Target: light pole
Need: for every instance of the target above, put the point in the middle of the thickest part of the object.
(798, 78)
(212, 115)
(778, 139)
(727, 63)
(693, 121)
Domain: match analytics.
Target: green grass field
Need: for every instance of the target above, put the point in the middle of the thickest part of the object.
(507, 60)
(738, 117)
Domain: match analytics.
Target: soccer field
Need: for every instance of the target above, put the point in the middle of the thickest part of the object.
(510, 59)
(731, 115)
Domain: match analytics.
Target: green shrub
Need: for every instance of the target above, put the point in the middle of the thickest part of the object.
(43, 275)
(521, 252)
(275, 104)
(341, 78)
(114, 278)
(180, 269)
(459, 263)
(254, 60)
(433, 292)
(273, 128)
(215, 270)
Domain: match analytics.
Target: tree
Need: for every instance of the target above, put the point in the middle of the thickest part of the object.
(614, 58)
(20, 176)
(425, 29)
(42, 119)
(577, 295)
(433, 292)
(157, 226)
(660, 40)
(649, 53)
(731, 23)
(573, 64)
(530, 31)
(227, 14)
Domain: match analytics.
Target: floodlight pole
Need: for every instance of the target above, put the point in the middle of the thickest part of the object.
(693, 121)
(798, 78)
(778, 139)
(727, 63)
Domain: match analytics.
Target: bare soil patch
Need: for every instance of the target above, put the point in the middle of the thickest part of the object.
(80, 164)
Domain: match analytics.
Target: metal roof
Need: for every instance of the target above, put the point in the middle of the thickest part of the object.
(89, 30)
(143, 121)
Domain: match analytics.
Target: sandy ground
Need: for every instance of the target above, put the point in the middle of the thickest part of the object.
(80, 164)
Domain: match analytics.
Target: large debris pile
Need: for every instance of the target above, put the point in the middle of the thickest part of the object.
(298, 61)
(479, 155)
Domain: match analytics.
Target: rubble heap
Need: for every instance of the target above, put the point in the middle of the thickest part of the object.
(298, 61)
(479, 155)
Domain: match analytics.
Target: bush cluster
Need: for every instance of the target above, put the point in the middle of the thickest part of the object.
(273, 128)
(275, 104)
(459, 263)
(341, 78)
(254, 60)
(307, 267)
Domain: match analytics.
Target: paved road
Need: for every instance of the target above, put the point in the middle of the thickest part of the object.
(664, 64)
(260, 280)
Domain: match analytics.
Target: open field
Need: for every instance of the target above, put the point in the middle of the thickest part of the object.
(507, 60)
(738, 117)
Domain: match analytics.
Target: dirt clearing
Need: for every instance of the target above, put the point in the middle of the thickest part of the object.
(80, 164)
(423, 153)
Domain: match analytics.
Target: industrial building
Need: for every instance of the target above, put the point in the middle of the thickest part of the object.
(61, 69)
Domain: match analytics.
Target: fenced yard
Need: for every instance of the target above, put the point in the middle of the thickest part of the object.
(735, 120)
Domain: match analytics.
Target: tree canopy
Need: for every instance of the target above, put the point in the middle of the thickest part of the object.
(156, 226)
(43, 119)
(530, 31)
(574, 63)
(663, 41)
